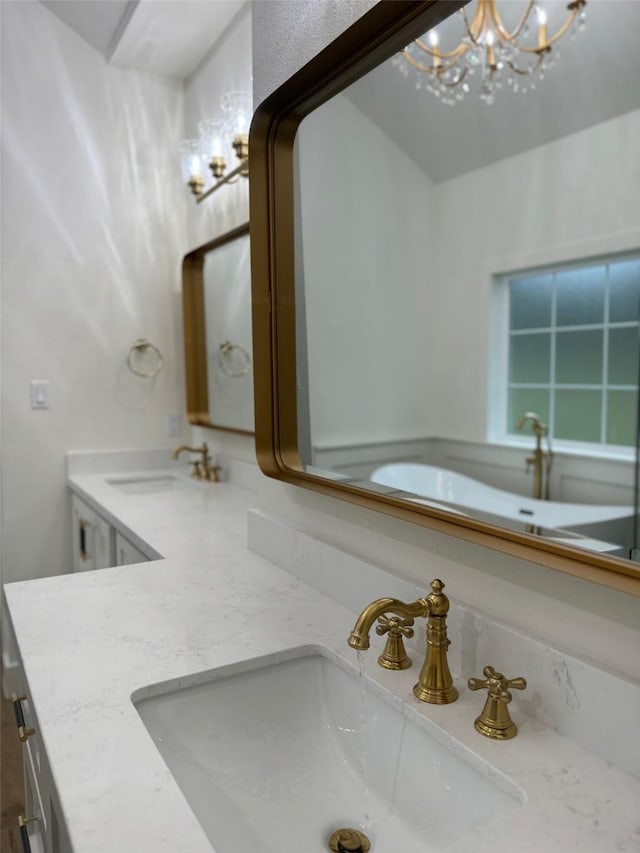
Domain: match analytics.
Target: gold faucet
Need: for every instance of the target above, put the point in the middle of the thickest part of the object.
(541, 460)
(435, 684)
(202, 469)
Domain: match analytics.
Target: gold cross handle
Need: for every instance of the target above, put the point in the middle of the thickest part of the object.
(394, 655)
(495, 721)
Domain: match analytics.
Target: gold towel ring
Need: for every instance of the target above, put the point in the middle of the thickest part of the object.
(140, 347)
(226, 360)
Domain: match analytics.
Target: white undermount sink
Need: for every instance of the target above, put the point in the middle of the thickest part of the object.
(277, 757)
(146, 484)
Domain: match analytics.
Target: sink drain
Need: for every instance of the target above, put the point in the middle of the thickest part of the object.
(349, 841)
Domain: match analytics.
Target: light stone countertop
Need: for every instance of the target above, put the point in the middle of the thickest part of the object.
(89, 641)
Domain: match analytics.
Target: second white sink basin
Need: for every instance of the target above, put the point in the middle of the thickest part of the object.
(276, 758)
(142, 485)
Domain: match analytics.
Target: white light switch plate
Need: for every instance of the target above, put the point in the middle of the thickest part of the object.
(174, 425)
(39, 394)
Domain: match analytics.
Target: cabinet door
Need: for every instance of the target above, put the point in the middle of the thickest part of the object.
(42, 821)
(92, 538)
(126, 553)
(34, 820)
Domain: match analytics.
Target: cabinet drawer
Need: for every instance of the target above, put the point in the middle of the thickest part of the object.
(92, 538)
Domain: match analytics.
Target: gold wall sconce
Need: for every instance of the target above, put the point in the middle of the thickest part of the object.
(218, 139)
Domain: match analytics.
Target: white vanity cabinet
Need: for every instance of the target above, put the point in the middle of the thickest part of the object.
(92, 538)
(40, 826)
(96, 544)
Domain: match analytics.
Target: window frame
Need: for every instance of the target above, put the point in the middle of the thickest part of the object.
(500, 367)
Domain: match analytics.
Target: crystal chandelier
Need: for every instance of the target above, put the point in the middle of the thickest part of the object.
(488, 48)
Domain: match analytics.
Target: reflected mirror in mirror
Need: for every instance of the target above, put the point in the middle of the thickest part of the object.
(467, 286)
(218, 346)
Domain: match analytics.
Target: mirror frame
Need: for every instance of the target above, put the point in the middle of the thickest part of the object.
(195, 336)
(374, 38)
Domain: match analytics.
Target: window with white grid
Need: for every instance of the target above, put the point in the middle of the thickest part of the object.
(573, 350)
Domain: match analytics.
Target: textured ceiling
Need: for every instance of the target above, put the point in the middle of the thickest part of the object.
(168, 37)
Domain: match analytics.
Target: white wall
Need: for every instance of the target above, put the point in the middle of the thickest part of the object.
(401, 342)
(92, 235)
(365, 300)
(289, 34)
(570, 199)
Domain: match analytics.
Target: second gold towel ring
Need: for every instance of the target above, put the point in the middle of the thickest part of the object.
(233, 359)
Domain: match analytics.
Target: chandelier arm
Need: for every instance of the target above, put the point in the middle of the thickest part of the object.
(459, 51)
(502, 31)
(557, 35)
(475, 28)
(539, 50)
(456, 82)
(430, 69)
(525, 72)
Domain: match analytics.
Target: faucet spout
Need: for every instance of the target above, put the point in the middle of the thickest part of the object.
(539, 428)
(202, 469)
(184, 447)
(435, 684)
(359, 637)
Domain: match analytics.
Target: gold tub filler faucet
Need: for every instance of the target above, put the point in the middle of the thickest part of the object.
(202, 468)
(542, 460)
(435, 684)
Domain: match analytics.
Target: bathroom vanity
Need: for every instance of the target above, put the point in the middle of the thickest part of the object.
(156, 694)
(206, 698)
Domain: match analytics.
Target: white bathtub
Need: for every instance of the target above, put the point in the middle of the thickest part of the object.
(440, 484)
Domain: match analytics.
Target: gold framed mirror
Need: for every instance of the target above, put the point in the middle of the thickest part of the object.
(293, 348)
(216, 298)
